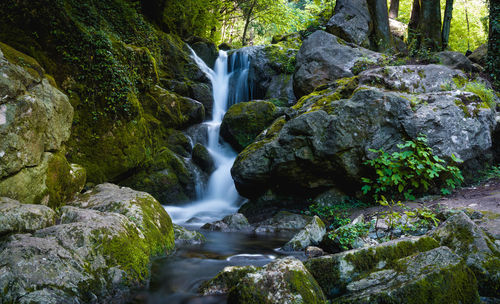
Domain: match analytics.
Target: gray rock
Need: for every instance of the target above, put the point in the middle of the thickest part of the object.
(35, 117)
(398, 29)
(351, 21)
(233, 222)
(90, 256)
(314, 252)
(283, 221)
(18, 218)
(456, 60)
(281, 281)
(438, 272)
(323, 58)
(202, 158)
(479, 55)
(312, 234)
(226, 280)
(335, 272)
(187, 237)
(470, 242)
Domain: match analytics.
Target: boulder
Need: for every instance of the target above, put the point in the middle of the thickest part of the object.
(281, 281)
(52, 182)
(335, 272)
(233, 222)
(333, 129)
(312, 234)
(479, 252)
(35, 117)
(271, 67)
(398, 29)
(205, 49)
(90, 255)
(351, 21)
(19, 218)
(435, 276)
(202, 158)
(184, 236)
(480, 55)
(324, 58)
(245, 120)
(283, 221)
(226, 280)
(456, 60)
(140, 207)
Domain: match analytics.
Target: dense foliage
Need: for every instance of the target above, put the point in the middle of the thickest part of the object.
(411, 171)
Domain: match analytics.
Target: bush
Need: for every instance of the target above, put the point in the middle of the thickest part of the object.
(411, 171)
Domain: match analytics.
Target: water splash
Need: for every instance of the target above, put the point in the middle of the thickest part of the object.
(230, 85)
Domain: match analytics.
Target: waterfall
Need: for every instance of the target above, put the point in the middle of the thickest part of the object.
(230, 85)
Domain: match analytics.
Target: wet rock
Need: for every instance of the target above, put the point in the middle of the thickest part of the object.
(314, 252)
(19, 218)
(183, 236)
(202, 158)
(245, 120)
(283, 221)
(205, 49)
(351, 22)
(324, 58)
(335, 272)
(480, 253)
(226, 280)
(456, 60)
(234, 222)
(281, 281)
(437, 275)
(312, 234)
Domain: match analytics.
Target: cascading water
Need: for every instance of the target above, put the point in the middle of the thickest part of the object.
(230, 85)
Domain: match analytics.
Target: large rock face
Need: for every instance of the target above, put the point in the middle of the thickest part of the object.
(35, 120)
(244, 121)
(282, 281)
(97, 252)
(35, 117)
(328, 140)
(323, 58)
(18, 218)
(351, 21)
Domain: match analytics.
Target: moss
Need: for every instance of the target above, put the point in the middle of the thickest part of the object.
(62, 185)
(226, 280)
(304, 285)
(23, 60)
(281, 58)
(326, 272)
(367, 259)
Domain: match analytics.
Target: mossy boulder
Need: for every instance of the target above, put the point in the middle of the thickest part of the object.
(435, 276)
(166, 176)
(335, 272)
(478, 250)
(285, 280)
(89, 254)
(19, 218)
(202, 158)
(52, 182)
(226, 280)
(184, 236)
(311, 234)
(35, 117)
(245, 120)
(230, 223)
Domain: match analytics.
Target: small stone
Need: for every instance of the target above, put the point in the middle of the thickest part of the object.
(314, 252)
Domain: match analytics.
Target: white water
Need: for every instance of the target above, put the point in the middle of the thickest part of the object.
(220, 197)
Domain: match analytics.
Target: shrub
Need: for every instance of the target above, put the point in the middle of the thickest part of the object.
(412, 170)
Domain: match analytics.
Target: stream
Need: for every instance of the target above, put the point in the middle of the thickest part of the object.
(176, 279)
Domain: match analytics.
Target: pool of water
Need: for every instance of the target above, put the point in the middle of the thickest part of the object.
(176, 279)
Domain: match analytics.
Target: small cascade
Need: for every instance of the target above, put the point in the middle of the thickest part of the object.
(230, 85)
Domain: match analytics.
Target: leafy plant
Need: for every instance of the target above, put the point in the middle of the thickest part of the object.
(411, 171)
(334, 215)
(480, 90)
(347, 234)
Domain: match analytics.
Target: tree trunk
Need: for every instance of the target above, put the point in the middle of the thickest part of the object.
(448, 13)
(424, 29)
(394, 9)
(493, 60)
(380, 38)
(247, 22)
